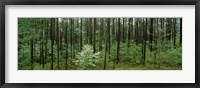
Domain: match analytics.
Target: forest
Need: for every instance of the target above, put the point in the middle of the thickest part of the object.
(99, 43)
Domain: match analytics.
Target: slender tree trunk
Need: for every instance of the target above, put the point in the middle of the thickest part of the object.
(46, 33)
(52, 39)
(118, 40)
(144, 40)
(81, 38)
(123, 31)
(113, 30)
(101, 34)
(155, 40)
(58, 40)
(107, 41)
(87, 25)
(114, 38)
(180, 32)
(151, 33)
(94, 39)
(129, 37)
(90, 21)
(136, 31)
(71, 36)
(174, 32)
(66, 42)
(43, 44)
(61, 33)
(108, 29)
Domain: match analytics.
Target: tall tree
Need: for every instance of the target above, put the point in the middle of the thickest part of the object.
(43, 43)
(155, 40)
(57, 41)
(151, 33)
(101, 33)
(46, 38)
(90, 22)
(71, 38)
(144, 40)
(81, 34)
(113, 30)
(180, 32)
(87, 30)
(61, 33)
(129, 36)
(52, 35)
(118, 40)
(123, 31)
(136, 30)
(174, 33)
(66, 42)
(107, 36)
(94, 34)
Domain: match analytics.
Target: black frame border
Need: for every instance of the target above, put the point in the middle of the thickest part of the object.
(3, 3)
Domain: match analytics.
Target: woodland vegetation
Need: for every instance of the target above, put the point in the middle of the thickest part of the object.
(99, 43)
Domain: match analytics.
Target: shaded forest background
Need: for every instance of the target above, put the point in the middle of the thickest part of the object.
(99, 43)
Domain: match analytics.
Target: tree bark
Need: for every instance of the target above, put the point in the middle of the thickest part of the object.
(180, 32)
(52, 39)
(118, 40)
(174, 32)
(90, 31)
(66, 43)
(81, 34)
(151, 33)
(94, 34)
(107, 40)
(71, 38)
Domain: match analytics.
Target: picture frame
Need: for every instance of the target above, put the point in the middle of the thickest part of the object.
(98, 2)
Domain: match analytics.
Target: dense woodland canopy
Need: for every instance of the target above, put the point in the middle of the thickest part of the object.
(99, 43)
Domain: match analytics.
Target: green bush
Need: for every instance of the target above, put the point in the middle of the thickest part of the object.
(86, 59)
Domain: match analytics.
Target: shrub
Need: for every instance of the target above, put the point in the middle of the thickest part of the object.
(86, 59)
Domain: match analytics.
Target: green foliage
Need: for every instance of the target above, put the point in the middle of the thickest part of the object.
(24, 58)
(164, 55)
(86, 59)
(172, 57)
(130, 54)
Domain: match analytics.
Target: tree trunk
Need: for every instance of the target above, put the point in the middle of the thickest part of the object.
(58, 40)
(180, 32)
(66, 42)
(136, 31)
(81, 38)
(101, 34)
(43, 44)
(151, 33)
(71, 36)
(46, 42)
(174, 32)
(52, 29)
(108, 29)
(107, 40)
(94, 39)
(129, 37)
(144, 40)
(123, 31)
(118, 40)
(155, 51)
(90, 31)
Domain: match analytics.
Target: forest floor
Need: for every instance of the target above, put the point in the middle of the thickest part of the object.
(147, 66)
(120, 66)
